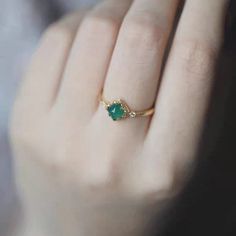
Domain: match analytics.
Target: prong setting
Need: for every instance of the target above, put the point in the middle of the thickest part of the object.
(119, 110)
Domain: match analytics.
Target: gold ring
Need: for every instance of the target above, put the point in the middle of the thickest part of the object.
(118, 109)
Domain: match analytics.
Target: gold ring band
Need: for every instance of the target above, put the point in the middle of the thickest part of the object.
(118, 109)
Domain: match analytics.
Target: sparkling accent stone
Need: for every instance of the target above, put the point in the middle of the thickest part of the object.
(116, 111)
(132, 114)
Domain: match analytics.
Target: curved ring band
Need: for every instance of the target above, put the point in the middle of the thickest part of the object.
(118, 109)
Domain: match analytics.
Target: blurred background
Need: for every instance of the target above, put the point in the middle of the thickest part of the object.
(208, 205)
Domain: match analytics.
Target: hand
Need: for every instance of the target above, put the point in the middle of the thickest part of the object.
(78, 171)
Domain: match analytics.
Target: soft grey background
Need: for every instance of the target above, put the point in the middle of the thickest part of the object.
(21, 24)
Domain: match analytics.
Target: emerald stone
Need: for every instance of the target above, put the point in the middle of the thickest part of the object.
(116, 111)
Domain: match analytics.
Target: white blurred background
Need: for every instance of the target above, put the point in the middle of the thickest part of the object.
(21, 24)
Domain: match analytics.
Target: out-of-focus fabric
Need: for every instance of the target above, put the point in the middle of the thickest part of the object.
(21, 25)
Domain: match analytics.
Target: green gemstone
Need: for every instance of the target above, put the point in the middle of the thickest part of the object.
(116, 111)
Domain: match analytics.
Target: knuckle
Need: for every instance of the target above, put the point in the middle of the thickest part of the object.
(196, 58)
(159, 187)
(102, 178)
(100, 25)
(36, 144)
(22, 124)
(145, 30)
(23, 138)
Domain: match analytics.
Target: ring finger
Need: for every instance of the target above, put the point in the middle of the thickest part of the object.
(137, 59)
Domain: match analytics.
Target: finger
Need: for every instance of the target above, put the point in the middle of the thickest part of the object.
(135, 66)
(188, 80)
(44, 74)
(89, 60)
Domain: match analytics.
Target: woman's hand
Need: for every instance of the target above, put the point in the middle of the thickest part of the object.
(78, 171)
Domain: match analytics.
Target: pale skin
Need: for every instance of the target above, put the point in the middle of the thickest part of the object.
(78, 172)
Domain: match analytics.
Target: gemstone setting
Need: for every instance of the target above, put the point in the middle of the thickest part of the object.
(117, 110)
